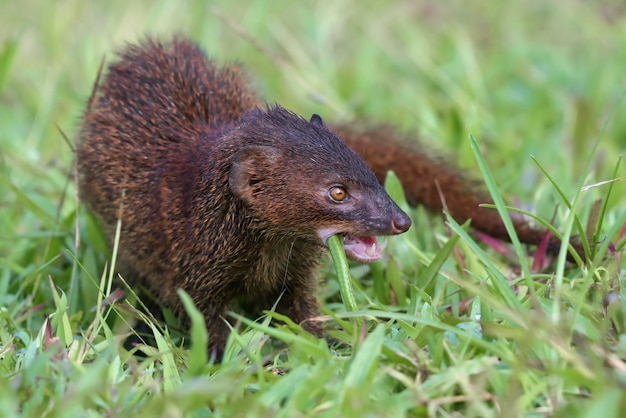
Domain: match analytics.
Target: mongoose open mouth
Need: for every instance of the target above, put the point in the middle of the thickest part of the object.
(364, 249)
(360, 248)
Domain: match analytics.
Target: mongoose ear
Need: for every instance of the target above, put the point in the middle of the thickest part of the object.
(250, 167)
(317, 120)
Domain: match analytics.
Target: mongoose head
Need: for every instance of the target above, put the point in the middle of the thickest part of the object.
(300, 179)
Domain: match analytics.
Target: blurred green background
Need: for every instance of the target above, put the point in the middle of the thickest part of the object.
(526, 78)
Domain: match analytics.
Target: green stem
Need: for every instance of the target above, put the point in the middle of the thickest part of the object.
(335, 244)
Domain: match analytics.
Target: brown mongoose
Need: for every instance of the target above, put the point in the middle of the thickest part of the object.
(230, 199)
(217, 195)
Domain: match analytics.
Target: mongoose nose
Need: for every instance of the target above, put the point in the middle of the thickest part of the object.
(400, 223)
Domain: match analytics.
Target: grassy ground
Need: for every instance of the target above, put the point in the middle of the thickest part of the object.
(458, 333)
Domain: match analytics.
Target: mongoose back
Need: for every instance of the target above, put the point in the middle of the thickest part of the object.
(230, 199)
(217, 195)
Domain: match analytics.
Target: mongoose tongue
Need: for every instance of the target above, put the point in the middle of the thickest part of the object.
(364, 249)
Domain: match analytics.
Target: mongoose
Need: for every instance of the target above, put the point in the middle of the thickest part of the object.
(231, 199)
(217, 194)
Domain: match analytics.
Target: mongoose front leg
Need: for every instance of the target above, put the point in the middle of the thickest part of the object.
(298, 302)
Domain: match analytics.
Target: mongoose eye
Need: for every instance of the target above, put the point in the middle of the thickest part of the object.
(338, 193)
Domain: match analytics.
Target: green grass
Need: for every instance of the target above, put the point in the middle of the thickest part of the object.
(450, 328)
